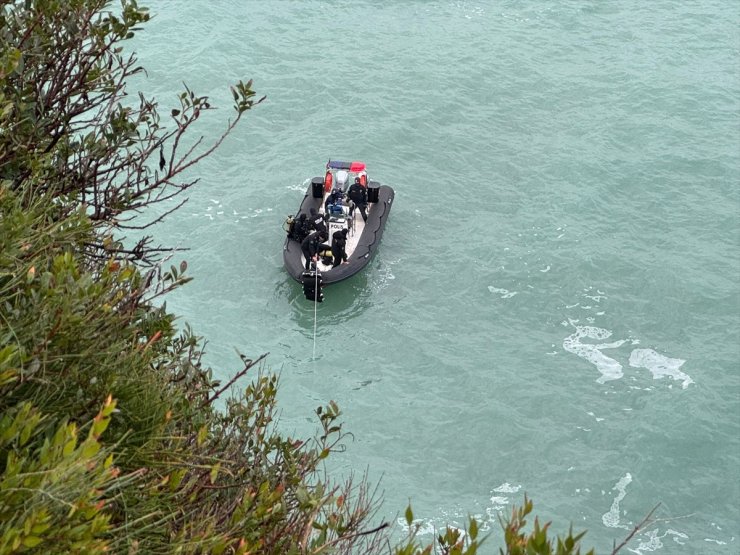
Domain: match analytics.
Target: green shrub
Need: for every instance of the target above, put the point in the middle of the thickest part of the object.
(113, 435)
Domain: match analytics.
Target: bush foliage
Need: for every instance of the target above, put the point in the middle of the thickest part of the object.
(113, 434)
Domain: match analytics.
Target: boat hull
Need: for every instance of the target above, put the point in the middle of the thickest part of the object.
(367, 244)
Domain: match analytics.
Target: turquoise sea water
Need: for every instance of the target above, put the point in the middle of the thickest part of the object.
(554, 308)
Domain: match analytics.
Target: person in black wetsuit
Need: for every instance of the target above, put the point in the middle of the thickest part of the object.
(317, 221)
(338, 245)
(311, 245)
(358, 194)
(301, 228)
(335, 197)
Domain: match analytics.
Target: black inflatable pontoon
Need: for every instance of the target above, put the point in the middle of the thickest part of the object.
(363, 237)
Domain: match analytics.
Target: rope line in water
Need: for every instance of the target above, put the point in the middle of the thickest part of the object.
(315, 303)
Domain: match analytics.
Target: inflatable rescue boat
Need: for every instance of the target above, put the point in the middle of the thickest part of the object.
(327, 206)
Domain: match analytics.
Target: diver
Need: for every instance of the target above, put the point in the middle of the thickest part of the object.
(311, 246)
(358, 194)
(338, 246)
(317, 221)
(300, 229)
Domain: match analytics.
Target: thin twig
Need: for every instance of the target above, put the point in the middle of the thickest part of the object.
(247, 365)
(637, 528)
(353, 536)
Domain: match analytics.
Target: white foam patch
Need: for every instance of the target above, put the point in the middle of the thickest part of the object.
(660, 366)
(423, 527)
(611, 518)
(609, 368)
(487, 515)
(506, 487)
(596, 417)
(505, 293)
(500, 502)
(653, 541)
(431, 527)
(299, 187)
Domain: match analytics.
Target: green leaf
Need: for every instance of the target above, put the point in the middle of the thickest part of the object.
(473, 528)
(69, 447)
(99, 425)
(90, 448)
(32, 541)
(214, 472)
(301, 494)
(202, 435)
(176, 477)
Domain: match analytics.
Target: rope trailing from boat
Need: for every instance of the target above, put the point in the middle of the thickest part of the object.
(315, 307)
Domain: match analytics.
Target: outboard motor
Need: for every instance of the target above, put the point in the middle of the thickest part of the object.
(342, 177)
(312, 281)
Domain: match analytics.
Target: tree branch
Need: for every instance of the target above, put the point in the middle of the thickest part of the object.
(636, 529)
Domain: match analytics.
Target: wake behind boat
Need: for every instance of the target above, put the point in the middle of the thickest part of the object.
(336, 204)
